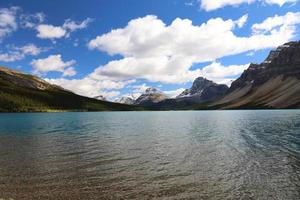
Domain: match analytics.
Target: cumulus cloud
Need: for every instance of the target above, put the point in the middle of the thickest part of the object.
(154, 51)
(222, 74)
(8, 22)
(48, 31)
(30, 49)
(53, 63)
(280, 2)
(209, 5)
(163, 53)
(287, 21)
(91, 87)
(10, 57)
(139, 88)
(18, 53)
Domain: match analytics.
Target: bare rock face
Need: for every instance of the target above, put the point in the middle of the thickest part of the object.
(275, 83)
(203, 90)
(151, 95)
(285, 60)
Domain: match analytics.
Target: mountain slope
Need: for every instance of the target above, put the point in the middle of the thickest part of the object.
(21, 92)
(275, 83)
(151, 96)
(203, 90)
(125, 100)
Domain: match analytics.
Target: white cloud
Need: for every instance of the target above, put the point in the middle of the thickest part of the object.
(280, 2)
(242, 21)
(18, 53)
(110, 95)
(73, 26)
(10, 57)
(53, 63)
(90, 87)
(272, 24)
(222, 74)
(69, 71)
(157, 52)
(163, 53)
(8, 21)
(190, 3)
(250, 53)
(50, 32)
(215, 71)
(139, 88)
(32, 20)
(47, 31)
(30, 49)
(209, 5)
(174, 93)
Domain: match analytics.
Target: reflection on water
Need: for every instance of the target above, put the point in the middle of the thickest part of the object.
(151, 155)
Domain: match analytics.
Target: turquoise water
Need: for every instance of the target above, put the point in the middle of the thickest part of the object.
(151, 155)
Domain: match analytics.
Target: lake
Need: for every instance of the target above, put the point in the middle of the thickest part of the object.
(151, 155)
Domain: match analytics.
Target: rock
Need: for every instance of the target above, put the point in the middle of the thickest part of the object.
(125, 100)
(151, 95)
(272, 84)
(203, 90)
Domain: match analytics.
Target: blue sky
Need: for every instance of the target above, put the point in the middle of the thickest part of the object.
(121, 47)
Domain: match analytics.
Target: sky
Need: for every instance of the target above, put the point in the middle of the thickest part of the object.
(120, 47)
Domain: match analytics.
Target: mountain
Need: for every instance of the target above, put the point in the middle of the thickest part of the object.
(203, 90)
(125, 100)
(21, 92)
(151, 96)
(275, 83)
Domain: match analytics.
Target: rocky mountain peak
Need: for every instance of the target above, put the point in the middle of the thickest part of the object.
(151, 95)
(274, 83)
(284, 60)
(282, 54)
(203, 90)
(152, 90)
(126, 100)
(199, 86)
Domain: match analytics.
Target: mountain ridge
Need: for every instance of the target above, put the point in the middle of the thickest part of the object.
(20, 92)
(274, 83)
(151, 96)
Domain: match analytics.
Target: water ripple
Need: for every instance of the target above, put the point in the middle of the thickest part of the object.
(151, 155)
